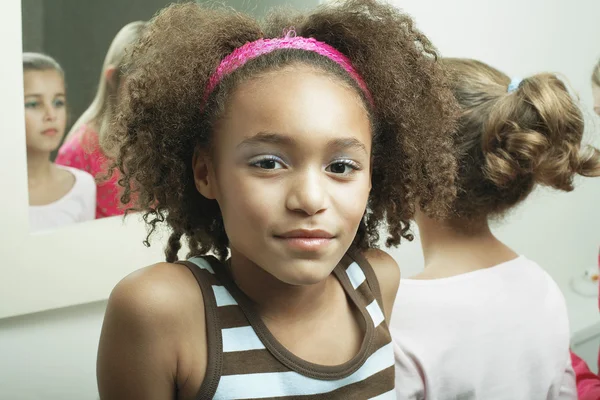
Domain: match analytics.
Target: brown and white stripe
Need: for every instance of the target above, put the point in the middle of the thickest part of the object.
(246, 362)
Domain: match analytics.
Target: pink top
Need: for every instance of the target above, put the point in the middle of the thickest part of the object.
(588, 383)
(82, 151)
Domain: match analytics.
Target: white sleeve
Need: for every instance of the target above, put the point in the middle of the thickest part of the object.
(410, 376)
(568, 387)
(91, 207)
(89, 197)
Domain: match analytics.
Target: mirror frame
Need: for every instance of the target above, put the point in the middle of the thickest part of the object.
(44, 271)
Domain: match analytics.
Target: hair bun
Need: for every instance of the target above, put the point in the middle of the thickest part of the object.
(535, 134)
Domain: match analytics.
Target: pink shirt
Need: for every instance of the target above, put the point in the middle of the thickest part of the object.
(82, 151)
(588, 383)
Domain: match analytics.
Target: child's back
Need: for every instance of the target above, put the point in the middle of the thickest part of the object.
(495, 333)
(81, 150)
(83, 146)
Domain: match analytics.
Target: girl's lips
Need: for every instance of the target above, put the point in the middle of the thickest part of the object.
(306, 243)
(50, 132)
(306, 239)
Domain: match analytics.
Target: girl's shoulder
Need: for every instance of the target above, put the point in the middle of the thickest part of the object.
(386, 271)
(83, 180)
(82, 186)
(151, 318)
(164, 291)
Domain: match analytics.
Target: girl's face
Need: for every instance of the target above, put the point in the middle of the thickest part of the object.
(290, 170)
(45, 109)
(596, 95)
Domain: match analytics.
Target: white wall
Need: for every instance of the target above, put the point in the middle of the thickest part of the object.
(52, 355)
(260, 7)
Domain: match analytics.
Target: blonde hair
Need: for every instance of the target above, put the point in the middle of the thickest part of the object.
(596, 74)
(41, 62)
(509, 141)
(103, 106)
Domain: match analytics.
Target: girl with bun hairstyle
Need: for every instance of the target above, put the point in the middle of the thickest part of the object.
(481, 321)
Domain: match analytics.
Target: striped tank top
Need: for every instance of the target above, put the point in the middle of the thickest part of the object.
(245, 361)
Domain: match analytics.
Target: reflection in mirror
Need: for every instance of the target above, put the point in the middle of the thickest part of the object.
(58, 195)
(84, 147)
(75, 187)
(72, 73)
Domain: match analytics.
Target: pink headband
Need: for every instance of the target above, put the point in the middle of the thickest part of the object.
(251, 50)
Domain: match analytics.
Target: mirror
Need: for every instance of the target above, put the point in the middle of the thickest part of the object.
(71, 76)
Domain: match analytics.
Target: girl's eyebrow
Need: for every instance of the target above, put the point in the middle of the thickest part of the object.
(268, 138)
(346, 144)
(40, 95)
(278, 138)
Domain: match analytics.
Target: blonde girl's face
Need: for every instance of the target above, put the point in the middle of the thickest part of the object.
(291, 172)
(45, 109)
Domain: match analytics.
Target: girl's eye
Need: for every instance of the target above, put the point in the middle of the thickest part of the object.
(32, 104)
(267, 163)
(345, 167)
(59, 103)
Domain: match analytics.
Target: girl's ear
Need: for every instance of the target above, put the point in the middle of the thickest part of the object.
(203, 178)
(109, 75)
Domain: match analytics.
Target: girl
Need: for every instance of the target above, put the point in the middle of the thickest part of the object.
(282, 155)
(83, 148)
(58, 196)
(499, 329)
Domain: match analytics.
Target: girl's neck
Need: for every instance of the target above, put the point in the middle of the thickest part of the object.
(276, 300)
(39, 167)
(459, 247)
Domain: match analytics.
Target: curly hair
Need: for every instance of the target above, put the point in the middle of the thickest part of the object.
(509, 141)
(163, 119)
